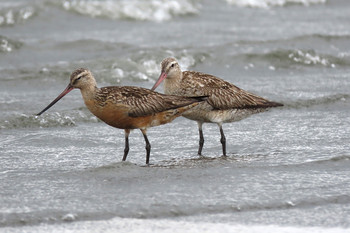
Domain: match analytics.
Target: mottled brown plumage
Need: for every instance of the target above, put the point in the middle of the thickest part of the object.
(127, 107)
(226, 102)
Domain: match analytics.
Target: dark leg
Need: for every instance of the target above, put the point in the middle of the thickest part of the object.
(148, 145)
(201, 138)
(223, 140)
(126, 149)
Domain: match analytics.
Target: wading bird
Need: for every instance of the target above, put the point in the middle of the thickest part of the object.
(225, 103)
(127, 107)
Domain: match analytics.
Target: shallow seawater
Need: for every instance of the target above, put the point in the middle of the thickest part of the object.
(287, 169)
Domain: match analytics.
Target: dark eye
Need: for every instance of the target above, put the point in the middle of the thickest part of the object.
(172, 65)
(76, 80)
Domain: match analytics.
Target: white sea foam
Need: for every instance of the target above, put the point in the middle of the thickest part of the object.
(154, 10)
(11, 16)
(308, 58)
(272, 3)
(148, 67)
(5, 46)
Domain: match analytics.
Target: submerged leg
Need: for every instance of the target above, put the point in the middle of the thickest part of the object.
(126, 149)
(223, 139)
(148, 145)
(201, 137)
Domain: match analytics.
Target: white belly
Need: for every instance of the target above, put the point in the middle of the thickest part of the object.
(205, 113)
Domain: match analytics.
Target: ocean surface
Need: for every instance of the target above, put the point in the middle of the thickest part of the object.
(287, 170)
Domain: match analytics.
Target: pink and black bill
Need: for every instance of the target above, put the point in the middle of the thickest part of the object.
(160, 79)
(65, 92)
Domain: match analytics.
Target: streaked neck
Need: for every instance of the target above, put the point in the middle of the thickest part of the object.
(172, 84)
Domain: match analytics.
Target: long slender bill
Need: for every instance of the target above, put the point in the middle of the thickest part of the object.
(65, 92)
(160, 79)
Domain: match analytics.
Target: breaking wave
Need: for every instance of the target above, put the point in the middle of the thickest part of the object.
(55, 119)
(283, 58)
(7, 45)
(273, 3)
(146, 65)
(154, 10)
(16, 14)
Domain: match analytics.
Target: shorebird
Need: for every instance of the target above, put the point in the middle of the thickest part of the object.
(226, 102)
(127, 107)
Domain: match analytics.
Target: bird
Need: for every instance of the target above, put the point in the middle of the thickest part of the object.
(127, 107)
(225, 103)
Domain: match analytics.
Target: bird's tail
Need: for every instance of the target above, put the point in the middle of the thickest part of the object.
(273, 104)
